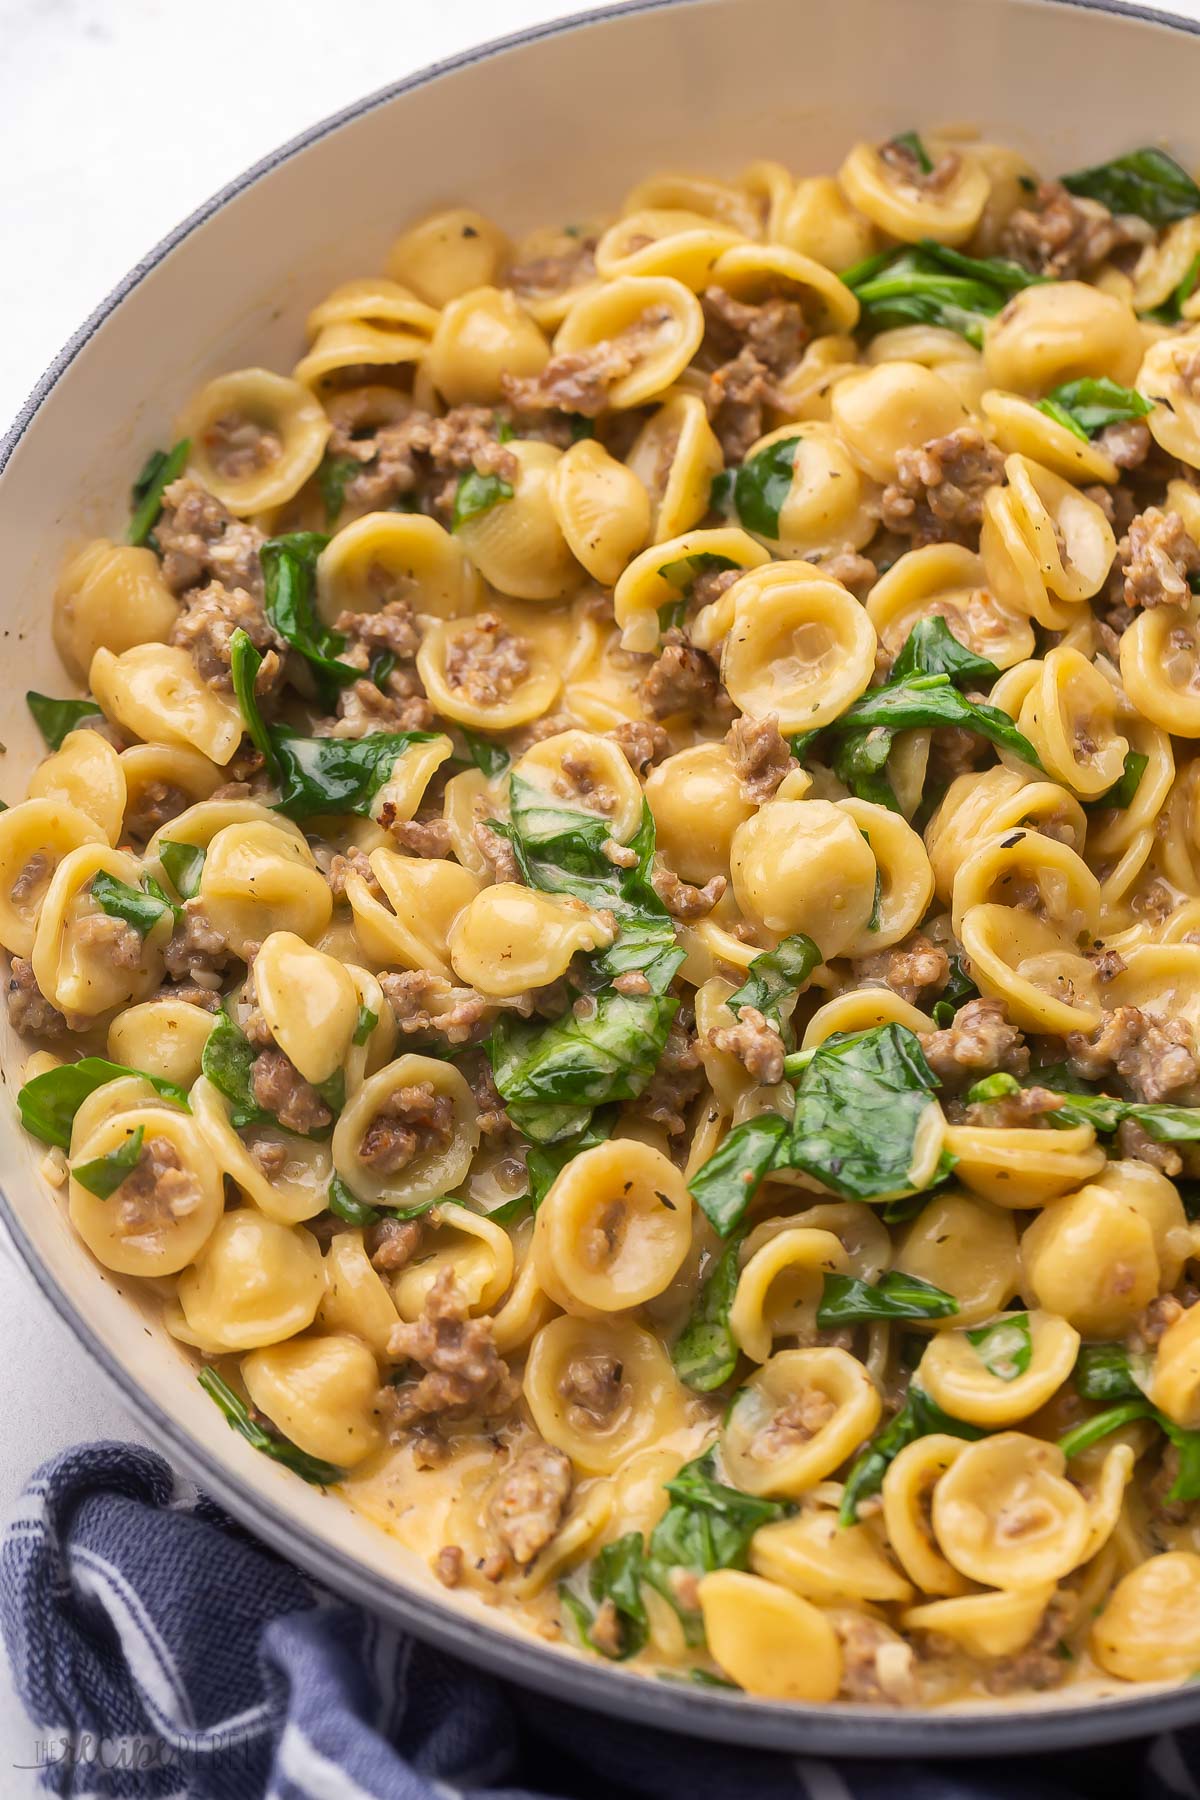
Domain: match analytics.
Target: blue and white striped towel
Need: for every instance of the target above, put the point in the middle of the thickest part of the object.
(161, 1653)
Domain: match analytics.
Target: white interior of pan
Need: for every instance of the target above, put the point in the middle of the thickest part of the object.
(549, 130)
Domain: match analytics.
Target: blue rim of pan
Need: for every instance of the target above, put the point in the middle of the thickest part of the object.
(607, 1688)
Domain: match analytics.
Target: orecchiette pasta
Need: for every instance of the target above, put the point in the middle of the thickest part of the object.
(613, 940)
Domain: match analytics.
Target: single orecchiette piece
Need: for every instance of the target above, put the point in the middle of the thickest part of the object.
(771, 1642)
(167, 1208)
(613, 1230)
(256, 438)
(797, 1419)
(111, 597)
(320, 1392)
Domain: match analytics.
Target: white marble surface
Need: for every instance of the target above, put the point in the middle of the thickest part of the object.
(116, 118)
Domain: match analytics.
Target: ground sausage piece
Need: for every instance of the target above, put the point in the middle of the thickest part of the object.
(158, 802)
(851, 569)
(364, 707)
(391, 1244)
(157, 1191)
(207, 623)
(640, 742)
(910, 970)
(760, 755)
(737, 398)
(1157, 1319)
(877, 1664)
(423, 1002)
(675, 1083)
(1157, 1057)
(591, 1386)
(201, 541)
(196, 952)
(908, 166)
(1064, 235)
(1028, 1107)
(393, 629)
(681, 899)
(1135, 1143)
(683, 680)
(463, 1371)
(937, 496)
(487, 663)
(117, 942)
(448, 1565)
(543, 275)
(237, 447)
(353, 862)
(1127, 443)
(412, 1121)
(799, 1419)
(528, 1502)
(980, 1040)
(496, 851)
(422, 837)
(278, 1087)
(29, 1012)
(580, 380)
(755, 1042)
(35, 874)
(208, 999)
(426, 452)
(1155, 558)
(492, 1117)
(1038, 1665)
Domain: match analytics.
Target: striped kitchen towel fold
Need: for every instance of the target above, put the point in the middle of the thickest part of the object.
(160, 1652)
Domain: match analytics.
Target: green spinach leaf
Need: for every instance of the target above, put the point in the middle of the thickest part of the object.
(707, 1526)
(762, 484)
(1093, 402)
(910, 141)
(183, 865)
(333, 477)
(705, 1354)
(545, 1162)
(846, 1301)
(1146, 182)
(48, 1103)
(55, 718)
(141, 910)
(1121, 793)
(777, 976)
(930, 284)
(724, 1186)
(104, 1175)
(266, 1439)
(289, 566)
(552, 1077)
(861, 1102)
(1006, 1348)
(931, 648)
(475, 495)
(490, 759)
(158, 471)
(917, 1418)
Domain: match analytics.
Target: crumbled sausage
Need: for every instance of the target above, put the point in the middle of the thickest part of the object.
(1155, 558)
(351, 862)
(238, 446)
(755, 1042)
(760, 755)
(33, 877)
(580, 381)
(907, 166)
(156, 804)
(640, 742)
(528, 1502)
(413, 1121)
(201, 541)
(752, 346)
(1156, 1057)
(422, 837)
(157, 1191)
(1064, 235)
(422, 452)
(1127, 443)
(675, 1083)
(1150, 1325)
(196, 951)
(851, 569)
(980, 1040)
(391, 1244)
(1136, 1145)
(681, 899)
(877, 1664)
(1039, 1665)
(937, 496)
(492, 1118)
(116, 942)
(684, 680)
(496, 851)
(278, 1087)
(206, 626)
(29, 1012)
(464, 1373)
(364, 707)
(737, 398)
(448, 1565)
(798, 1419)
(911, 969)
(591, 1385)
(487, 663)
(190, 993)
(393, 629)
(426, 1003)
(1028, 1107)
(543, 275)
